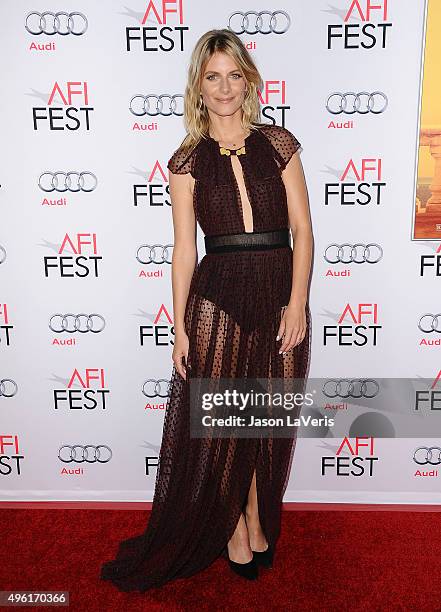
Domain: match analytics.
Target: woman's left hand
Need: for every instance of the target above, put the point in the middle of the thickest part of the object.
(292, 326)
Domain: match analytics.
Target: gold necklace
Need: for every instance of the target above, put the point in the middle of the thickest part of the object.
(224, 151)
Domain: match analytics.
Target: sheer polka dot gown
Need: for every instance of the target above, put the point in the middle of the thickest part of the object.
(233, 312)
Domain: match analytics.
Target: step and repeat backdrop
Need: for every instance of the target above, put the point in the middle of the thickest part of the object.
(91, 111)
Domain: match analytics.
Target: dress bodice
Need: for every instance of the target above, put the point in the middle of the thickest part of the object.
(216, 197)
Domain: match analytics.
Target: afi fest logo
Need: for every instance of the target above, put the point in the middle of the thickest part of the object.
(162, 27)
(10, 456)
(370, 31)
(5, 326)
(155, 192)
(83, 392)
(429, 399)
(82, 263)
(67, 108)
(354, 458)
(160, 333)
(359, 184)
(151, 463)
(431, 264)
(273, 101)
(362, 332)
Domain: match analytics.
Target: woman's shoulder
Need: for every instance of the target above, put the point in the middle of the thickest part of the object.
(277, 134)
(183, 159)
(181, 162)
(282, 140)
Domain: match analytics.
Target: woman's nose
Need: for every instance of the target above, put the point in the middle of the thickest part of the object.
(225, 85)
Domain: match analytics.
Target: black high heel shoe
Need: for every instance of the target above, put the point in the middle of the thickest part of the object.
(249, 570)
(265, 557)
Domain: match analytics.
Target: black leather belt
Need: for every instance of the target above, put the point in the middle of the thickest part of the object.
(247, 241)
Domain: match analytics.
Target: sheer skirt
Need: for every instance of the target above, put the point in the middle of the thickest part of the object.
(232, 316)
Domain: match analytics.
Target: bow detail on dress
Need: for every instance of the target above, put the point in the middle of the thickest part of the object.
(240, 151)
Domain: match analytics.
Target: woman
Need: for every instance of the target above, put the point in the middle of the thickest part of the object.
(241, 312)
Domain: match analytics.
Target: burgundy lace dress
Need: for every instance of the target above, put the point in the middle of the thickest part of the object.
(232, 317)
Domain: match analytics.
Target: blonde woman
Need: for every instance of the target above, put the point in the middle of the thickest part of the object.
(242, 311)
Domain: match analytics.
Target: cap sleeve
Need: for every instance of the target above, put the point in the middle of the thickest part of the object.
(284, 143)
(181, 162)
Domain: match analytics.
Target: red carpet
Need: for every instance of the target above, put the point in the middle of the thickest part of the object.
(326, 560)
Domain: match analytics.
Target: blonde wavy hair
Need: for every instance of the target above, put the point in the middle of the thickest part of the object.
(196, 117)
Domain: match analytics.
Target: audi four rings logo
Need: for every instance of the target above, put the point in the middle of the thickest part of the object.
(427, 454)
(153, 105)
(430, 322)
(157, 254)
(67, 181)
(344, 387)
(8, 387)
(56, 23)
(88, 453)
(361, 103)
(353, 253)
(82, 323)
(2, 254)
(262, 22)
(156, 388)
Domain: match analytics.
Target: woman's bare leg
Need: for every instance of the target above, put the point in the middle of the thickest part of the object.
(239, 549)
(257, 539)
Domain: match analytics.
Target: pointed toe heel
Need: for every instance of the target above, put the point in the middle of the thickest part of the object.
(245, 570)
(264, 558)
(249, 570)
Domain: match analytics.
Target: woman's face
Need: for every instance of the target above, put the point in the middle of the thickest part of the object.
(223, 85)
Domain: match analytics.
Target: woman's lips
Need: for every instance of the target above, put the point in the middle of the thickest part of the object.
(225, 101)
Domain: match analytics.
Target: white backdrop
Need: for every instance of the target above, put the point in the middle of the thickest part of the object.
(39, 366)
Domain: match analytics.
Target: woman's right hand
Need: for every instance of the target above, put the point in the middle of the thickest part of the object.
(180, 350)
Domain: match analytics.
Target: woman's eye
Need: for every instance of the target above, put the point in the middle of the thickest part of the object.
(235, 76)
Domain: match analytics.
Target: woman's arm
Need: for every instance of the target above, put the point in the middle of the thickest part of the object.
(293, 326)
(300, 222)
(184, 251)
